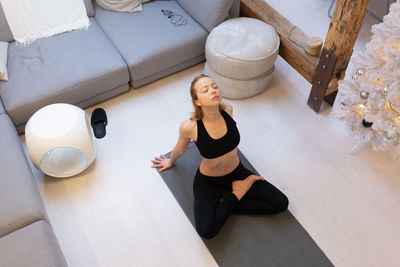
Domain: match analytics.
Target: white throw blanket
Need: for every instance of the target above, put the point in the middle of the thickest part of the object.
(30, 20)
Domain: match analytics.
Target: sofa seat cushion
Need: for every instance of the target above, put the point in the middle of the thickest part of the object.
(34, 245)
(148, 41)
(20, 202)
(70, 68)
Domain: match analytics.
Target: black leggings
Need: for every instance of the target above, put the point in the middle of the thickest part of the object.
(214, 200)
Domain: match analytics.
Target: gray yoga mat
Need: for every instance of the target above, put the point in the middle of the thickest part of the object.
(246, 240)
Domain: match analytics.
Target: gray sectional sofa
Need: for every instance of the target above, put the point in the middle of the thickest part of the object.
(84, 68)
(26, 237)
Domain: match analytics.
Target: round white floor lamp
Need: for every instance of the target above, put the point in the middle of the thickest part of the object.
(60, 140)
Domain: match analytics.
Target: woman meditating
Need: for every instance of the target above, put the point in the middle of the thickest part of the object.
(222, 185)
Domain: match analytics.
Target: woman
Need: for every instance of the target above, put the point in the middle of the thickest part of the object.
(222, 185)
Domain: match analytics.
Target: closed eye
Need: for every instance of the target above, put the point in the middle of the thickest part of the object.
(204, 89)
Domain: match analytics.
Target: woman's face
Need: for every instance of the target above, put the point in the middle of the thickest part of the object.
(208, 93)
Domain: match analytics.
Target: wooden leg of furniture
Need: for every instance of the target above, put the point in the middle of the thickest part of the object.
(340, 39)
(322, 78)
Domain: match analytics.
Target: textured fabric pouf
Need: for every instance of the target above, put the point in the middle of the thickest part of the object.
(60, 140)
(240, 53)
(237, 89)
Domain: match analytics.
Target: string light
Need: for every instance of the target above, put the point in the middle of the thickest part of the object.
(375, 79)
(393, 110)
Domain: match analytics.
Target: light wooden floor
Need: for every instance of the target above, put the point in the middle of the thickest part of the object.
(120, 213)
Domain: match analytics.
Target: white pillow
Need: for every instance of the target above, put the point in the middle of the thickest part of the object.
(121, 5)
(3, 61)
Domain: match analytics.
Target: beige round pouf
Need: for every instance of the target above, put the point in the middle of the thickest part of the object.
(242, 48)
(240, 54)
(238, 89)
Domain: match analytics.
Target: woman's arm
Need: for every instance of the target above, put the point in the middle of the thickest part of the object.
(185, 136)
(183, 141)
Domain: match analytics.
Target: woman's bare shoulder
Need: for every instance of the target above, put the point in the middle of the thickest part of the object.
(228, 109)
(187, 128)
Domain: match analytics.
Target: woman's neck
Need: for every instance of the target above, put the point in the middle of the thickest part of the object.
(211, 114)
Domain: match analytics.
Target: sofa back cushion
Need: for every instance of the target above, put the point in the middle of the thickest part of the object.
(89, 8)
(208, 13)
(3, 61)
(5, 32)
(234, 12)
(2, 109)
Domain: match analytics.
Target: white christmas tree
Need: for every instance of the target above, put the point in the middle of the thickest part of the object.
(370, 101)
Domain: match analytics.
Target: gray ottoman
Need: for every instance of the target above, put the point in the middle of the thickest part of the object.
(240, 55)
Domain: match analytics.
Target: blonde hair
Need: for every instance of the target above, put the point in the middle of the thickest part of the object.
(198, 113)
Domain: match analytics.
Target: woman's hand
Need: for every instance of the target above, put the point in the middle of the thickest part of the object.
(240, 187)
(161, 162)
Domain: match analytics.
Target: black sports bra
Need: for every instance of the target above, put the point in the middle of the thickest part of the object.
(211, 148)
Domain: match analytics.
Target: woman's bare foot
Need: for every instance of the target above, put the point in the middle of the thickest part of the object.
(240, 187)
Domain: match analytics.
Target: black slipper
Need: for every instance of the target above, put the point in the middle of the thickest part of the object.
(99, 122)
